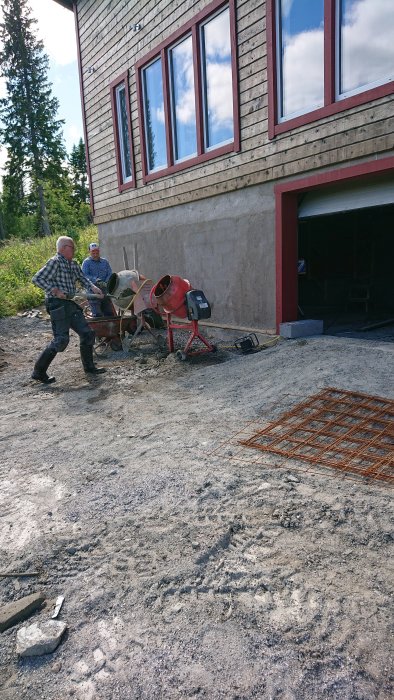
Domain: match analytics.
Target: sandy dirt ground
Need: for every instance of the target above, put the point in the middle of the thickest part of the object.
(186, 573)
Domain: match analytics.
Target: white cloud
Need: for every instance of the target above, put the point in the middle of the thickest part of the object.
(186, 104)
(186, 108)
(72, 133)
(368, 38)
(57, 30)
(160, 116)
(217, 36)
(220, 95)
(303, 69)
(286, 7)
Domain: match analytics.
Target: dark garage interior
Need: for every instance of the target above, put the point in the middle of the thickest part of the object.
(346, 271)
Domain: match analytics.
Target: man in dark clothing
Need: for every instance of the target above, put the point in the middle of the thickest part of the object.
(98, 269)
(58, 278)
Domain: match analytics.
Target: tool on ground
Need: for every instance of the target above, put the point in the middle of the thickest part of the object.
(16, 574)
(58, 606)
(248, 343)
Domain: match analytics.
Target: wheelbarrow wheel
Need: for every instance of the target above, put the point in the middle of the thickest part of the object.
(181, 356)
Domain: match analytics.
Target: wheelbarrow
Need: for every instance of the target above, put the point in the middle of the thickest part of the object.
(109, 331)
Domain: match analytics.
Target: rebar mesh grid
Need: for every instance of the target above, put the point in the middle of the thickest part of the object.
(344, 430)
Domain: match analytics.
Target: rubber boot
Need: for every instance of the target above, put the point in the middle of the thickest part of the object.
(41, 366)
(87, 360)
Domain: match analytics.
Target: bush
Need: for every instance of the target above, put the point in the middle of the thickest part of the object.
(20, 260)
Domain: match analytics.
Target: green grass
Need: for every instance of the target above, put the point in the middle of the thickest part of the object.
(20, 260)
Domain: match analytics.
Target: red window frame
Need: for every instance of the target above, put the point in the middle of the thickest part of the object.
(122, 79)
(192, 27)
(331, 104)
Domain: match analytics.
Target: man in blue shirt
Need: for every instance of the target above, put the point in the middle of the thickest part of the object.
(98, 269)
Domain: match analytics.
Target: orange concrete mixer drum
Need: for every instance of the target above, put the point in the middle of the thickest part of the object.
(169, 295)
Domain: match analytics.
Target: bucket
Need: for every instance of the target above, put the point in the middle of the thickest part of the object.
(169, 294)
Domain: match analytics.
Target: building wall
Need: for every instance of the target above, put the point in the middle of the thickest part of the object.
(110, 46)
(212, 243)
(214, 222)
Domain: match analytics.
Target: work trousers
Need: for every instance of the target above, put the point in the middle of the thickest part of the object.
(64, 315)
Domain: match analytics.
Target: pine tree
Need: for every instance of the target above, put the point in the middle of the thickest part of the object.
(79, 177)
(30, 129)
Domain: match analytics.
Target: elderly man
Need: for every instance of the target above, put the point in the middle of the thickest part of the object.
(98, 269)
(58, 278)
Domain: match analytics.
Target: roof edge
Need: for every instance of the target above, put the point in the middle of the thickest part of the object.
(66, 3)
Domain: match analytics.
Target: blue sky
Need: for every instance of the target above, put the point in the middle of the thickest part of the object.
(302, 14)
(57, 30)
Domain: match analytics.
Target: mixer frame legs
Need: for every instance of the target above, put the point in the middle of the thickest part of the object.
(191, 326)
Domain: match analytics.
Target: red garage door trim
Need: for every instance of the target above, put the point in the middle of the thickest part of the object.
(286, 222)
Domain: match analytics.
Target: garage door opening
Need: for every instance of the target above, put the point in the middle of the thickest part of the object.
(345, 268)
(328, 202)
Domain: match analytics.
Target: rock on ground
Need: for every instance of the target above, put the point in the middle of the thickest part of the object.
(39, 638)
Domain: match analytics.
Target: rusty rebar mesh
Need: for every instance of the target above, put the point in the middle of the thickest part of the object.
(339, 429)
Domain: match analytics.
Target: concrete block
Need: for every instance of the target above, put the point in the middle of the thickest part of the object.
(299, 329)
(19, 610)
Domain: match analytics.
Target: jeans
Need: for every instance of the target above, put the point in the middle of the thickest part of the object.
(64, 315)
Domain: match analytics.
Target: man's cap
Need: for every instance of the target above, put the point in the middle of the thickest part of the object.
(94, 246)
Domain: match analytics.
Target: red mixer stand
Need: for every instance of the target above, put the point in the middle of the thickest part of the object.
(192, 326)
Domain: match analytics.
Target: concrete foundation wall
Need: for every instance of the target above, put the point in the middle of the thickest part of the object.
(225, 245)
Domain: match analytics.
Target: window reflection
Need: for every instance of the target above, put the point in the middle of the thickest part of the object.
(183, 100)
(366, 44)
(217, 80)
(123, 132)
(154, 116)
(300, 30)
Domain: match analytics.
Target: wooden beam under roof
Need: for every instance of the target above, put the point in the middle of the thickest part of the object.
(66, 3)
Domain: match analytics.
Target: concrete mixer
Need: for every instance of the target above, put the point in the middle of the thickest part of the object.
(174, 296)
(122, 287)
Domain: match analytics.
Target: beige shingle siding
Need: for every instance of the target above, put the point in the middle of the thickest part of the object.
(110, 46)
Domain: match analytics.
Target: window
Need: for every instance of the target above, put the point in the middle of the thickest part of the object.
(365, 40)
(300, 30)
(154, 116)
(188, 98)
(183, 105)
(120, 100)
(216, 71)
(326, 56)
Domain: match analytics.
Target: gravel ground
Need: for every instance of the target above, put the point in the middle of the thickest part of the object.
(186, 573)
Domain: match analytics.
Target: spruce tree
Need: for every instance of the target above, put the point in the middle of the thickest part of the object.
(79, 177)
(29, 127)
